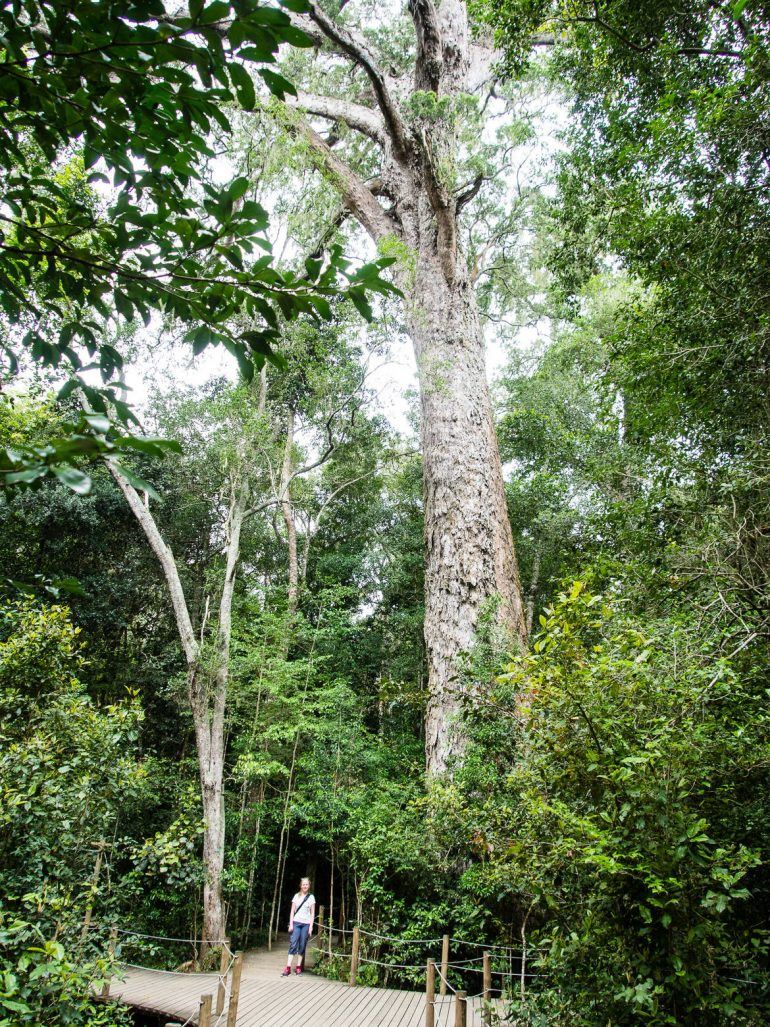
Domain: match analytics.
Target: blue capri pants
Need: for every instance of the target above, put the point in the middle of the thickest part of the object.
(298, 941)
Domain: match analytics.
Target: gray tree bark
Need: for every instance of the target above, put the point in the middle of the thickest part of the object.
(206, 689)
(469, 551)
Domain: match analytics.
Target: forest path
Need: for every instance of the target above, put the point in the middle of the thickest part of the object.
(269, 1000)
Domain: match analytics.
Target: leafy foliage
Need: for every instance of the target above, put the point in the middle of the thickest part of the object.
(611, 809)
(63, 770)
(630, 817)
(110, 118)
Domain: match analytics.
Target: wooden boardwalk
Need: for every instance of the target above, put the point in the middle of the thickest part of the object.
(269, 1000)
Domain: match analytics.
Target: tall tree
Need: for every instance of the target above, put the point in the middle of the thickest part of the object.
(410, 120)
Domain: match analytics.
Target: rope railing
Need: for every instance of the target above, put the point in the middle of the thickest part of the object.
(503, 967)
(391, 965)
(225, 982)
(363, 949)
(400, 941)
(487, 946)
(215, 943)
(446, 981)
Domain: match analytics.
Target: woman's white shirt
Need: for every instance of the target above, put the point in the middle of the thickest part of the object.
(304, 915)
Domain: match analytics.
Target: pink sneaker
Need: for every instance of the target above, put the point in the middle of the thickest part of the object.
(286, 972)
(298, 971)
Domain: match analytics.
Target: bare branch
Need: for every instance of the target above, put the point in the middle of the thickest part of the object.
(355, 115)
(354, 47)
(167, 562)
(430, 63)
(468, 194)
(356, 195)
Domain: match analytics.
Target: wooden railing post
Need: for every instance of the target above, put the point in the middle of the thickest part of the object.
(223, 961)
(430, 994)
(235, 989)
(204, 1011)
(461, 1008)
(321, 918)
(113, 943)
(354, 956)
(487, 1014)
(444, 964)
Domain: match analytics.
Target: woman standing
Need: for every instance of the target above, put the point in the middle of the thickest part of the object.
(300, 926)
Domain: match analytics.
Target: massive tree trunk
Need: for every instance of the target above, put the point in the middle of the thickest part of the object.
(470, 559)
(469, 546)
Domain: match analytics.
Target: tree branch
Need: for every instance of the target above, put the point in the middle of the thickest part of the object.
(167, 562)
(355, 115)
(356, 195)
(430, 63)
(355, 48)
(468, 194)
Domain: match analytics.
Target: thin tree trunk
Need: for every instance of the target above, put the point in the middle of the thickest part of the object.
(253, 863)
(331, 899)
(283, 841)
(532, 593)
(207, 704)
(287, 510)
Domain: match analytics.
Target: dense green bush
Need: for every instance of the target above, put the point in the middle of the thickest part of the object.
(630, 817)
(65, 766)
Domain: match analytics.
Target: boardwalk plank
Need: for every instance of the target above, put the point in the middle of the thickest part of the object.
(343, 1000)
(299, 1001)
(267, 1000)
(298, 1005)
(367, 1006)
(401, 1003)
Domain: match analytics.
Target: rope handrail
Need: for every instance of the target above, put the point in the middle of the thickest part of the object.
(402, 941)
(224, 942)
(175, 973)
(444, 979)
(393, 966)
(437, 941)
(221, 975)
(500, 948)
(494, 973)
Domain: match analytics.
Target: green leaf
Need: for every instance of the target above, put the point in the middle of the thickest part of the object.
(98, 422)
(238, 188)
(67, 389)
(150, 446)
(201, 338)
(26, 476)
(134, 480)
(73, 479)
(244, 86)
(216, 11)
(123, 305)
(277, 84)
(358, 298)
